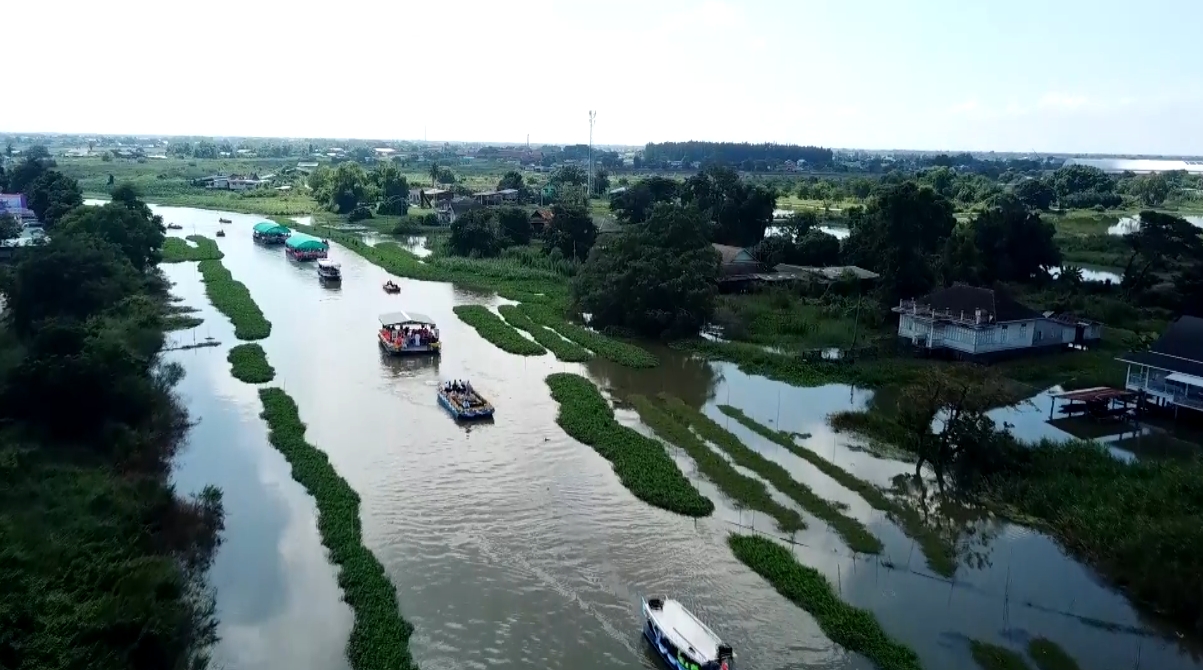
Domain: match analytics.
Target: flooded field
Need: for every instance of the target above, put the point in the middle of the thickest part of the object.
(511, 544)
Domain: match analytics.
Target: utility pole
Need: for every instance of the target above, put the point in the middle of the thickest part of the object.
(589, 195)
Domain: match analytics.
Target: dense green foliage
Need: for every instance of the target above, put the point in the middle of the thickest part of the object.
(855, 629)
(232, 298)
(495, 330)
(485, 232)
(1048, 655)
(101, 566)
(248, 363)
(940, 556)
(855, 535)
(564, 350)
(604, 347)
(739, 210)
(744, 491)
(625, 284)
(641, 463)
(993, 657)
(734, 153)
(571, 233)
(176, 250)
(380, 637)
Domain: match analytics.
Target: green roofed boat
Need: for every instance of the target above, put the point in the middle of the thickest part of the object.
(302, 247)
(270, 232)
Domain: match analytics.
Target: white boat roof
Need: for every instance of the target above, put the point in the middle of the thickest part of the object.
(393, 318)
(686, 632)
(326, 263)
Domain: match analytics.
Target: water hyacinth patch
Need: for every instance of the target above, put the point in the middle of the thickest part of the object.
(642, 464)
(498, 332)
(232, 298)
(606, 347)
(564, 350)
(176, 250)
(248, 363)
(380, 637)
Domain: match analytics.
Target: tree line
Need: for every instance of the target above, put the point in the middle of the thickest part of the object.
(101, 564)
(734, 153)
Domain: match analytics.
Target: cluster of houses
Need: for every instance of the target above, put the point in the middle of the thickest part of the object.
(449, 208)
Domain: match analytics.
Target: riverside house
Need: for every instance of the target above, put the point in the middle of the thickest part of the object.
(1171, 371)
(982, 324)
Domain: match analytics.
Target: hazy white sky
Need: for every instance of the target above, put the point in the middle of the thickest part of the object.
(1047, 75)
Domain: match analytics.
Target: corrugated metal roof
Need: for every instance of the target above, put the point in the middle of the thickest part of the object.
(1139, 165)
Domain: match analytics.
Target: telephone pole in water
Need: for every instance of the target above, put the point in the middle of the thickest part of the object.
(592, 116)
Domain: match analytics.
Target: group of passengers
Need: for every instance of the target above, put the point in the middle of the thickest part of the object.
(462, 393)
(412, 336)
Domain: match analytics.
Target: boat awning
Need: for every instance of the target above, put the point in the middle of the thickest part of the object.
(271, 228)
(303, 242)
(1189, 380)
(393, 318)
(324, 263)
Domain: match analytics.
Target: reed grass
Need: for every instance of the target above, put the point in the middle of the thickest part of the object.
(855, 629)
(941, 557)
(380, 636)
(564, 350)
(855, 535)
(641, 463)
(176, 250)
(498, 332)
(743, 490)
(232, 298)
(248, 363)
(993, 657)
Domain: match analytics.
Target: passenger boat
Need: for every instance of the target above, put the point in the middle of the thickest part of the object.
(224, 221)
(270, 233)
(302, 247)
(390, 287)
(464, 403)
(681, 640)
(174, 226)
(221, 233)
(408, 333)
(328, 270)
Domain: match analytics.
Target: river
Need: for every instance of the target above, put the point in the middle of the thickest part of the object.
(511, 544)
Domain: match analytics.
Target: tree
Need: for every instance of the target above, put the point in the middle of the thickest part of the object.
(1013, 243)
(1152, 189)
(899, 235)
(569, 174)
(25, 173)
(128, 225)
(10, 228)
(434, 173)
(511, 180)
(601, 182)
(816, 249)
(740, 211)
(343, 188)
(571, 231)
(1163, 242)
(475, 233)
(635, 204)
(1035, 194)
(514, 225)
(52, 195)
(393, 188)
(37, 152)
(625, 283)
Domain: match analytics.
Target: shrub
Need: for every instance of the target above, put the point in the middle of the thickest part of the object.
(492, 328)
(380, 637)
(248, 363)
(641, 463)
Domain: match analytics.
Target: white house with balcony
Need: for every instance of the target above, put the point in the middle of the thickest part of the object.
(1171, 371)
(980, 323)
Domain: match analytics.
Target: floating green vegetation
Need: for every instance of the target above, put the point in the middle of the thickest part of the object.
(606, 347)
(855, 629)
(176, 250)
(993, 657)
(380, 637)
(248, 363)
(743, 490)
(856, 536)
(1048, 655)
(941, 557)
(232, 298)
(179, 317)
(492, 328)
(798, 370)
(563, 349)
(642, 464)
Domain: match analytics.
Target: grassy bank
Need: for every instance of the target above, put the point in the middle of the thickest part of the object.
(855, 629)
(941, 557)
(641, 463)
(176, 250)
(745, 491)
(232, 298)
(380, 637)
(248, 363)
(855, 535)
(498, 332)
(564, 350)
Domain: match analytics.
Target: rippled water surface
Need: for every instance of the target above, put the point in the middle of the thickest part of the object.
(511, 544)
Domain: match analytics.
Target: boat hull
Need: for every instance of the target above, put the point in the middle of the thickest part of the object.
(434, 348)
(654, 639)
(330, 278)
(462, 414)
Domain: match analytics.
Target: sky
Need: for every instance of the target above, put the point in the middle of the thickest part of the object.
(1080, 76)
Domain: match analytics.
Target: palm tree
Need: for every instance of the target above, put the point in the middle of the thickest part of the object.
(434, 173)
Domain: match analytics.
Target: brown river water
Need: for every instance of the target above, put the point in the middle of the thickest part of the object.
(511, 544)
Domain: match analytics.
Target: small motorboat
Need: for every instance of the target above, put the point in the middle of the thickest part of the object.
(390, 287)
(221, 233)
(681, 640)
(329, 271)
(224, 221)
(464, 403)
(174, 226)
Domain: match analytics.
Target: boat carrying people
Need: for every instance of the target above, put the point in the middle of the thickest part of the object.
(681, 640)
(221, 233)
(464, 403)
(328, 270)
(302, 247)
(391, 287)
(408, 333)
(224, 221)
(270, 233)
